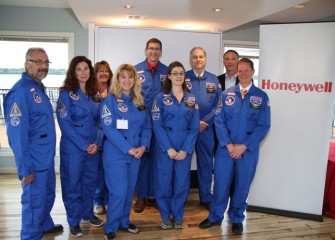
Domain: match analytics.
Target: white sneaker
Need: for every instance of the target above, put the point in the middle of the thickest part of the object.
(98, 209)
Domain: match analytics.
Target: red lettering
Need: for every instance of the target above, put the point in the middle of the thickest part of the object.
(297, 87)
(319, 87)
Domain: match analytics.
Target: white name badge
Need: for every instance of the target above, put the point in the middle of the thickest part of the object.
(121, 124)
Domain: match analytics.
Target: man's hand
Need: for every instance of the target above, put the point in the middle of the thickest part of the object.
(28, 179)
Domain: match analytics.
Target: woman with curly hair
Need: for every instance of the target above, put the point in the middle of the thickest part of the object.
(78, 119)
(126, 125)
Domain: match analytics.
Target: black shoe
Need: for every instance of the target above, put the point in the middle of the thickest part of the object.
(56, 229)
(207, 205)
(152, 202)
(139, 205)
(109, 236)
(76, 231)
(207, 224)
(237, 228)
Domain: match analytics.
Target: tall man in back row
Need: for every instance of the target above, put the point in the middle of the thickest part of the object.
(207, 90)
(32, 137)
(151, 74)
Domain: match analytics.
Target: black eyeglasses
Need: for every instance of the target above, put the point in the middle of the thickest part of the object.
(40, 62)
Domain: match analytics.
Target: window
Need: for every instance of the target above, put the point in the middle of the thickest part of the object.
(13, 48)
(247, 50)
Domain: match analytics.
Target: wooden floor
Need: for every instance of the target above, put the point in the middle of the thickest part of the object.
(257, 225)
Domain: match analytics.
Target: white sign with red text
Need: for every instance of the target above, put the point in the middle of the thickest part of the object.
(297, 72)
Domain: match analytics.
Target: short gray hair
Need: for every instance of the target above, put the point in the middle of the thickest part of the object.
(30, 50)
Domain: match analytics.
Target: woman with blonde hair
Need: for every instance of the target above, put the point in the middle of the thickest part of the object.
(125, 122)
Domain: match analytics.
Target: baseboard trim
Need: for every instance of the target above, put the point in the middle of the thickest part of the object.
(286, 213)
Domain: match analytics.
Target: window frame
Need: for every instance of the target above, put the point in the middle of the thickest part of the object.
(40, 36)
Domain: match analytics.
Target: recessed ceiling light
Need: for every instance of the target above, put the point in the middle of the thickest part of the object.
(128, 6)
(299, 6)
(217, 9)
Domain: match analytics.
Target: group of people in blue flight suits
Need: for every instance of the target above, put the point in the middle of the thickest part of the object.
(136, 133)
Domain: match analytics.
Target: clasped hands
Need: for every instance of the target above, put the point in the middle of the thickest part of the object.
(236, 150)
(92, 149)
(173, 154)
(137, 152)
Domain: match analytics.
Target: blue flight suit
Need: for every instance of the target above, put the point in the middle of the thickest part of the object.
(176, 125)
(101, 192)
(78, 119)
(121, 169)
(151, 86)
(207, 91)
(32, 137)
(245, 122)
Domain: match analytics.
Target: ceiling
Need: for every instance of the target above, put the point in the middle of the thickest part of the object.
(188, 14)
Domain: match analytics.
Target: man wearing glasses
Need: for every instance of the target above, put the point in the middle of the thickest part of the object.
(32, 137)
(151, 74)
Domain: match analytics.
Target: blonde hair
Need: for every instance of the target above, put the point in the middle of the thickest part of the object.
(136, 89)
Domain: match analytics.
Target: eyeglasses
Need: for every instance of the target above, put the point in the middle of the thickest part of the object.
(40, 62)
(175, 74)
(154, 49)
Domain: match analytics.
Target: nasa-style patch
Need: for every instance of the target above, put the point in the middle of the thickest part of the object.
(155, 116)
(189, 101)
(96, 98)
(155, 107)
(15, 121)
(230, 100)
(141, 78)
(105, 112)
(210, 87)
(256, 99)
(162, 78)
(61, 106)
(168, 101)
(220, 102)
(63, 113)
(141, 107)
(188, 85)
(107, 120)
(32, 89)
(37, 97)
(218, 110)
(74, 96)
(15, 111)
(122, 107)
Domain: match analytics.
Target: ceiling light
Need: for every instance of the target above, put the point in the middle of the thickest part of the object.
(217, 9)
(299, 6)
(128, 6)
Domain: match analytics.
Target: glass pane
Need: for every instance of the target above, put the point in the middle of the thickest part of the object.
(12, 66)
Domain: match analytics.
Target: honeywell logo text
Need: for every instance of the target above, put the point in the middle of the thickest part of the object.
(297, 87)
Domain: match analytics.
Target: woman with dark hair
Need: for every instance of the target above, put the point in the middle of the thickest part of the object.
(175, 117)
(78, 119)
(104, 77)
